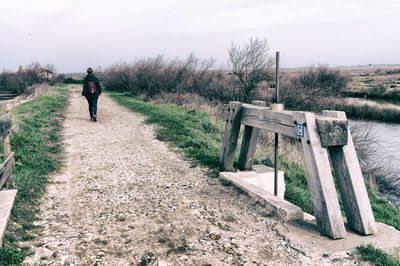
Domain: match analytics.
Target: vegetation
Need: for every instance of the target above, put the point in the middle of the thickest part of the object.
(200, 138)
(367, 112)
(193, 132)
(320, 88)
(311, 90)
(374, 92)
(376, 256)
(72, 81)
(383, 84)
(157, 76)
(251, 65)
(37, 153)
(19, 82)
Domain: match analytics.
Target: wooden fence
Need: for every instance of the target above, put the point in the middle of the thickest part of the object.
(8, 156)
(317, 136)
(7, 197)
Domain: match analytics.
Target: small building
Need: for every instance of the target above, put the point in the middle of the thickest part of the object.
(45, 73)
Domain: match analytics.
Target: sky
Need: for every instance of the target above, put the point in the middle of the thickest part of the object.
(75, 34)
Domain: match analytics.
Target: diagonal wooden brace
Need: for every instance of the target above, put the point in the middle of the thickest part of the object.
(319, 178)
(351, 184)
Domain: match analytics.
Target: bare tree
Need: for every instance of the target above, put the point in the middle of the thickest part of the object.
(251, 65)
(50, 67)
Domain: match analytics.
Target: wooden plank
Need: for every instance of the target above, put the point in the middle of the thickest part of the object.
(5, 124)
(6, 146)
(6, 169)
(275, 121)
(249, 143)
(231, 135)
(332, 131)
(7, 198)
(319, 178)
(351, 184)
(3, 108)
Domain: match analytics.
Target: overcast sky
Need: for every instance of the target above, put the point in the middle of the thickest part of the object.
(75, 34)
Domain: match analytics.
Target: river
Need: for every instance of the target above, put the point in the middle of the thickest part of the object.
(386, 146)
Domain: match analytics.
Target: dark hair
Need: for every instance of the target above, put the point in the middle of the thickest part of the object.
(89, 70)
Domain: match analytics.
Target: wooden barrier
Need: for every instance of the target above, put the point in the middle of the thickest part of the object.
(318, 136)
(7, 197)
(8, 156)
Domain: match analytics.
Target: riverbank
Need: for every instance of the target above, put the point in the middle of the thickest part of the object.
(367, 112)
(393, 95)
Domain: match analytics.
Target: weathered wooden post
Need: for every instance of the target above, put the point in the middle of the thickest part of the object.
(319, 177)
(351, 183)
(231, 135)
(249, 143)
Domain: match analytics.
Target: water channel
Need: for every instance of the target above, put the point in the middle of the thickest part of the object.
(386, 144)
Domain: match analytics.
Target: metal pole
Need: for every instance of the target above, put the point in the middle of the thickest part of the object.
(276, 134)
(277, 78)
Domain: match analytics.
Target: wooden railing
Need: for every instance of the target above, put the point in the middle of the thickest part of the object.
(317, 136)
(8, 156)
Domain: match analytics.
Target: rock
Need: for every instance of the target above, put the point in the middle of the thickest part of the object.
(162, 263)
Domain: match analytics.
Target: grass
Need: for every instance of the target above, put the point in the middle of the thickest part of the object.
(201, 139)
(367, 112)
(37, 153)
(376, 256)
(193, 132)
(372, 92)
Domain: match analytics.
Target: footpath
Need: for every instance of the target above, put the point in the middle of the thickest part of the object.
(125, 198)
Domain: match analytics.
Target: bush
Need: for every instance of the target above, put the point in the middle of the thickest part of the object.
(19, 81)
(311, 89)
(72, 81)
(154, 76)
(58, 79)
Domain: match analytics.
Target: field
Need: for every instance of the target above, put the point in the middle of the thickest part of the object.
(374, 83)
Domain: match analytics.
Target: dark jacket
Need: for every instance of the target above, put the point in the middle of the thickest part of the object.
(85, 91)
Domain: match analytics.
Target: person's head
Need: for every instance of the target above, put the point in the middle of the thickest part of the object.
(89, 70)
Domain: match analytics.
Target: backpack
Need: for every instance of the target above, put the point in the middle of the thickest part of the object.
(91, 87)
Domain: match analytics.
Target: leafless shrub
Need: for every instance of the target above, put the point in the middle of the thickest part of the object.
(251, 65)
(311, 89)
(153, 76)
(380, 172)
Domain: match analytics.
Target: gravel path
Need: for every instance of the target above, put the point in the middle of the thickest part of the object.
(124, 198)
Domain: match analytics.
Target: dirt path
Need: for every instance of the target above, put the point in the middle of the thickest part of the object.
(124, 198)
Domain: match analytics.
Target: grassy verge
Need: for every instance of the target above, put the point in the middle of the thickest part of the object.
(201, 139)
(37, 153)
(377, 256)
(193, 132)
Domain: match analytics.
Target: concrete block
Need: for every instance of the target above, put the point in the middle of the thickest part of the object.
(7, 198)
(283, 209)
(263, 177)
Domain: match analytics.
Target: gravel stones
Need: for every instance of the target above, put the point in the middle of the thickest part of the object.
(124, 198)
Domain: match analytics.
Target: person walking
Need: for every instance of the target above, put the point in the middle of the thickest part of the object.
(91, 91)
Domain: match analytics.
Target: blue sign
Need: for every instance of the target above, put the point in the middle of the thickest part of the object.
(300, 130)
